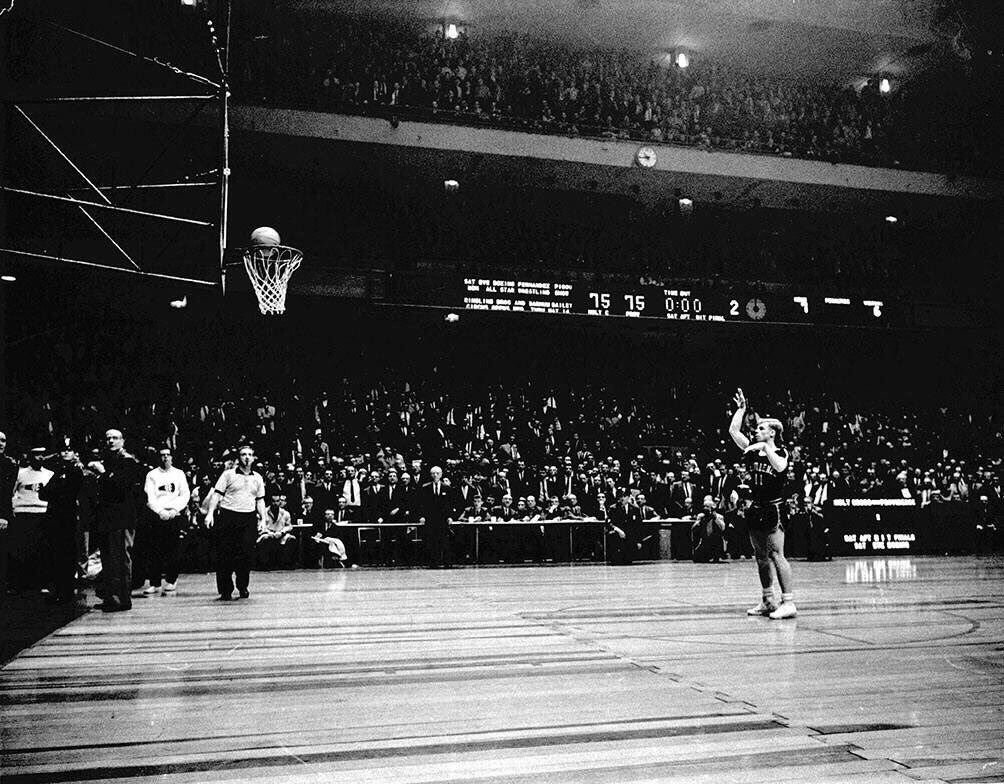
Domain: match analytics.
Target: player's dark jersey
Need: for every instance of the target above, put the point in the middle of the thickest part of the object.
(766, 484)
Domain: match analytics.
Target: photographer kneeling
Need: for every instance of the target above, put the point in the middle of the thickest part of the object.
(707, 534)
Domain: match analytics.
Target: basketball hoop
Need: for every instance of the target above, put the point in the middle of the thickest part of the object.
(270, 267)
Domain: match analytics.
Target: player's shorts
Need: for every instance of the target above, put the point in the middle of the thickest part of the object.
(768, 518)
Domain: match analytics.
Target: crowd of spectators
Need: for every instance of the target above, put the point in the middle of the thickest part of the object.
(574, 421)
(529, 451)
(340, 63)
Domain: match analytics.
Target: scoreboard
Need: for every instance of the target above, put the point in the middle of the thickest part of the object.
(671, 302)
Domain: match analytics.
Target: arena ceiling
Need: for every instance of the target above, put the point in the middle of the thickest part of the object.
(841, 40)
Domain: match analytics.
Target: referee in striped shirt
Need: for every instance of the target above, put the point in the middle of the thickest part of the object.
(240, 496)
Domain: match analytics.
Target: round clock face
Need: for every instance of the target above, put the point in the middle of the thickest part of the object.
(646, 157)
(755, 309)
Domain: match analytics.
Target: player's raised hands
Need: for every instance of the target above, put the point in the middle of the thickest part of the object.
(740, 399)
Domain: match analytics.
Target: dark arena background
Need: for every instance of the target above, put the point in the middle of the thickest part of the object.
(506, 533)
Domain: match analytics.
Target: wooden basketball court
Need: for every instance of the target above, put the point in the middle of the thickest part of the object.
(891, 673)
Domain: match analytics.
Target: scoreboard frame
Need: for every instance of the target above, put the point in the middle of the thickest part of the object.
(673, 302)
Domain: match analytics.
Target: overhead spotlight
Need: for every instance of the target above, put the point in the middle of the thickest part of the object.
(451, 31)
(891, 219)
(885, 86)
(451, 186)
(8, 278)
(682, 61)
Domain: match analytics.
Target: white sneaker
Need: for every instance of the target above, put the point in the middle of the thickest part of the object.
(150, 590)
(784, 610)
(764, 608)
(169, 588)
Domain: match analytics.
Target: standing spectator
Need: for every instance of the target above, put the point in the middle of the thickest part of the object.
(27, 532)
(298, 489)
(326, 492)
(8, 476)
(433, 503)
(352, 489)
(818, 504)
(119, 487)
(682, 496)
(240, 496)
(61, 493)
(167, 497)
(987, 526)
(390, 508)
(719, 483)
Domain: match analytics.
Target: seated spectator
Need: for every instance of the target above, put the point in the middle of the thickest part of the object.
(276, 546)
(331, 540)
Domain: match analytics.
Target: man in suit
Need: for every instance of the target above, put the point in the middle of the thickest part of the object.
(720, 483)
(500, 484)
(298, 489)
(649, 534)
(61, 493)
(352, 489)
(334, 540)
(682, 496)
(342, 515)
(326, 492)
(8, 478)
(434, 506)
(522, 480)
(623, 527)
(119, 490)
(569, 480)
(467, 537)
(464, 494)
(371, 506)
(550, 484)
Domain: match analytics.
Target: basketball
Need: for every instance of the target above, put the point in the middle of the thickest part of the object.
(265, 235)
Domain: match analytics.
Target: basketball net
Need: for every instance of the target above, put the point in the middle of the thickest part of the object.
(270, 267)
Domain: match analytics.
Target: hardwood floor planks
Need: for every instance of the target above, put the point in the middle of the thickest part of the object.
(891, 673)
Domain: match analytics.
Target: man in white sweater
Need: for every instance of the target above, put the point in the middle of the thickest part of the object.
(26, 532)
(167, 495)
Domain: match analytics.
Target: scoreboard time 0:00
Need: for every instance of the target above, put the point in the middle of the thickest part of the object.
(678, 304)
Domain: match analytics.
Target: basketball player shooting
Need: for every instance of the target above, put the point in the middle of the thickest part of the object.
(767, 462)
